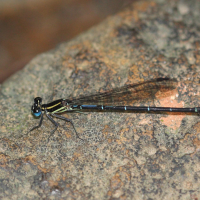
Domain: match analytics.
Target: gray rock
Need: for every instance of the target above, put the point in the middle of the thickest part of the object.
(124, 155)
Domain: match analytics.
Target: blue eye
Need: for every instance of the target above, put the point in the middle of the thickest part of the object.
(36, 111)
(37, 114)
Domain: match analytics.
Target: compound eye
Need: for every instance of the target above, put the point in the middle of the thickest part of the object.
(36, 111)
(38, 101)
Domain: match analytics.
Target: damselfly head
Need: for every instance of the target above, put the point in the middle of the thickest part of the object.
(37, 101)
(36, 111)
(36, 107)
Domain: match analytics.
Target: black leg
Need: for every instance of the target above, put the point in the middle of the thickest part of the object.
(67, 120)
(55, 123)
(40, 123)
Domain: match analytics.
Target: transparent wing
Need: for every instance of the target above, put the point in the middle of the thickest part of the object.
(128, 93)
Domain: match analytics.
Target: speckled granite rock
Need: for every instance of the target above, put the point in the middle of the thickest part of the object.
(124, 155)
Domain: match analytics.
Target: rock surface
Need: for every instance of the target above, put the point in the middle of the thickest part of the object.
(124, 155)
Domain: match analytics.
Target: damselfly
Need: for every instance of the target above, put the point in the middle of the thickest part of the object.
(113, 100)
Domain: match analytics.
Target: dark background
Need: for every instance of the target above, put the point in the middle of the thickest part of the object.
(28, 28)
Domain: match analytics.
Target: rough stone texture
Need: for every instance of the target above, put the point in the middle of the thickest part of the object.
(124, 155)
